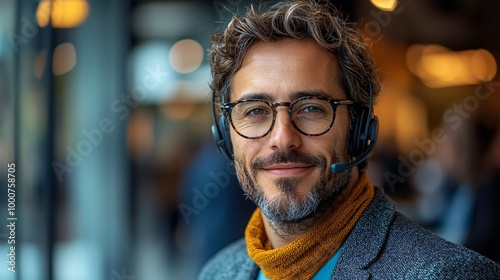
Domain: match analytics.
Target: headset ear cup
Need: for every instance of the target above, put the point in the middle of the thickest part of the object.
(217, 138)
(223, 145)
(359, 133)
(222, 138)
(365, 132)
(226, 137)
(220, 131)
(373, 131)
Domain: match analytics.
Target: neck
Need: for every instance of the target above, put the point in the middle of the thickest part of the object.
(281, 234)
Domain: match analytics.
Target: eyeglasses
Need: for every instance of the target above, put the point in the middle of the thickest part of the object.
(254, 118)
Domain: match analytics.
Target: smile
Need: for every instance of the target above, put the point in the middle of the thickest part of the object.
(287, 169)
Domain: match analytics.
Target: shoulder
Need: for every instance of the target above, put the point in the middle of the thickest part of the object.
(425, 255)
(231, 263)
(428, 256)
(387, 245)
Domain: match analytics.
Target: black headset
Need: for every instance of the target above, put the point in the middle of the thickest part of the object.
(363, 136)
(220, 132)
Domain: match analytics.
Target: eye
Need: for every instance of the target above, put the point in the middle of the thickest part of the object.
(256, 112)
(311, 109)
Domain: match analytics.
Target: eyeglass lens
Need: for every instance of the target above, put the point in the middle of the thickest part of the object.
(254, 119)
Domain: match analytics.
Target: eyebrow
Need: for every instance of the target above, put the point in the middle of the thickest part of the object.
(293, 96)
(256, 95)
(299, 94)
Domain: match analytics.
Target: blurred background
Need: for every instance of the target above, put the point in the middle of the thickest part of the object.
(104, 108)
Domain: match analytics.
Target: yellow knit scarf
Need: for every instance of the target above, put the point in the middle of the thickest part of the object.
(302, 258)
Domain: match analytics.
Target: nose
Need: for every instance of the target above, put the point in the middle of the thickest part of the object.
(284, 136)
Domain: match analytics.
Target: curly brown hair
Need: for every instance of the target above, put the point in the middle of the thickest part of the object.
(319, 20)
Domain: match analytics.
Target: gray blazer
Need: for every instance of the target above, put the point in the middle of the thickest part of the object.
(384, 244)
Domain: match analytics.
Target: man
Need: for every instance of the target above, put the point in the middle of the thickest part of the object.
(295, 86)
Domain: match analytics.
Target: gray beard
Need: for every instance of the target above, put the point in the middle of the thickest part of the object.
(290, 213)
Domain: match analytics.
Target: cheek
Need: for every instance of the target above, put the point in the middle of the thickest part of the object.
(330, 145)
(341, 129)
(335, 140)
(236, 143)
(243, 148)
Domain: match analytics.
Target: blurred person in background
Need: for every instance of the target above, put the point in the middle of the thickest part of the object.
(471, 189)
(211, 200)
(484, 227)
(296, 86)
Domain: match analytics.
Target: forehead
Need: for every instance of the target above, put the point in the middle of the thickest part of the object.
(286, 69)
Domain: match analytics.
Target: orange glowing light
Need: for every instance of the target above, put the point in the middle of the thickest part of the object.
(385, 5)
(63, 13)
(439, 67)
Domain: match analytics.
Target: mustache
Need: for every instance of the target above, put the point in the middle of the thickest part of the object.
(288, 157)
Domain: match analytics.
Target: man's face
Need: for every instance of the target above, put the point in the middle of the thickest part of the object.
(287, 174)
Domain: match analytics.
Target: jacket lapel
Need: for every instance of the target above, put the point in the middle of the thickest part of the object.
(366, 239)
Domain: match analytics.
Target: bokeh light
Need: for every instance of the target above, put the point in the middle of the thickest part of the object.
(186, 56)
(385, 5)
(63, 13)
(39, 65)
(439, 67)
(64, 58)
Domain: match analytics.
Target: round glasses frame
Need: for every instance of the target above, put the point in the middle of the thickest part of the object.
(227, 108)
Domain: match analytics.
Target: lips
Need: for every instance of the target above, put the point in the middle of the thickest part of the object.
(287, 169)
(287, 164)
